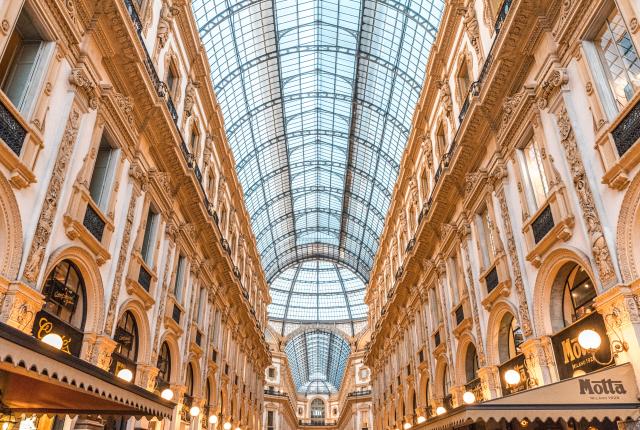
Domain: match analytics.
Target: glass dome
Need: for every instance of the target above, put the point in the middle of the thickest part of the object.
(317, 291)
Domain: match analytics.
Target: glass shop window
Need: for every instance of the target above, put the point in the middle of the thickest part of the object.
(64, 294)
(578, 296)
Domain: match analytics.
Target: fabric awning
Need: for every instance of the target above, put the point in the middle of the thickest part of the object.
(610, 393)
(36, 378)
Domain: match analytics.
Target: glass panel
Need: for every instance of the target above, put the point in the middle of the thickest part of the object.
(619, 57)
(536, 178)
(103, 170)
(308, 90)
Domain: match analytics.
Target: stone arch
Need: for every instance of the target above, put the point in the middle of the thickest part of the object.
(197, 375)
(441, 366)
(86, 263)
(136, 307)
(172, 342)
(213, 387)
(411, 406)
(401, 410)
(423, 385)
(10, 231)
(459, 375)
(498, 312)
(626, 238)
(224, 401)
(547, 295)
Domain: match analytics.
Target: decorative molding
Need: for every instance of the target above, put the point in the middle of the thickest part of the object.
(523, 307)
(591, 218)
(44, 226)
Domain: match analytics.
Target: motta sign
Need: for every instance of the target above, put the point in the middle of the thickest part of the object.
(612, 385)
(604, 386)
(571, 359)
(45, 323)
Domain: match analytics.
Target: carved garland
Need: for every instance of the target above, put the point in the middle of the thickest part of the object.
(523, 308)
(472, 295)
(139, 181)
(585, 199)
(50, 205)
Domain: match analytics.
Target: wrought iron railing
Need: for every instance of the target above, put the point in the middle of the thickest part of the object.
(502, 15)
(459, 314)
(11, 131)
(491, 280)
(176, 313)
(627, 132)
(94, 223)
(542, 224)
(144, 278)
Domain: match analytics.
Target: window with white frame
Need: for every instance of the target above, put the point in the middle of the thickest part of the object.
(23, 62)
(619, 58)
(536, 185)
(179, 281)
(486, 239)
(149, 238)
(103, 173)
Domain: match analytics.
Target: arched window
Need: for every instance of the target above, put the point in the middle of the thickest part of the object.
(578, 294)
(207, 398)
(509, 338)
(446, 383)
(64, 294)
(471, 363)
(188, 380)
(317, 408)
(126, 337)
(164, 364)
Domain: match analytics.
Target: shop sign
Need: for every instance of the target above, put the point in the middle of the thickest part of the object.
(45, 323)
(571, 359)
(475, 387)
(527, 380)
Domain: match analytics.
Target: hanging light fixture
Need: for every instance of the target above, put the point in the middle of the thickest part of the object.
(167, 394)
(125, 374)
(53, 339)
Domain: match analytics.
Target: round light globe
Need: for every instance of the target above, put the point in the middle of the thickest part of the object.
(213, 419)
(441, 410)
(194, 411)
(167, 394)
(406, 426)
(589, 340)
(227, 426)
(125, 375)
(238, 428)
(468, 397)
(512, 377)
(53, 339)
(421, 419)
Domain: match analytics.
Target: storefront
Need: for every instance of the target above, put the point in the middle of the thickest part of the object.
(598, 400)
(39, 382)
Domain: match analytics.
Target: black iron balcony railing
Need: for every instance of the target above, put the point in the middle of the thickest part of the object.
(542, 224)
(627, 132)
(11, 131)
(144, 278)
(491, 280)
(502, 15)
(94, 223)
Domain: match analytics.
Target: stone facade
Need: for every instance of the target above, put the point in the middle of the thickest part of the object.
(537, 188)
(117, 170)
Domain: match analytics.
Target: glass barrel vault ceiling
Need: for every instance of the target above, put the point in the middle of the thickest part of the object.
(317, 359)
(317, 98)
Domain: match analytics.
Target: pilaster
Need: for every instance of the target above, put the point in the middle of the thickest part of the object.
(21, 304)
(539, 358)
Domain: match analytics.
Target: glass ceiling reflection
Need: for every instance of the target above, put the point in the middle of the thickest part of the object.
(317, 359)
(317, 291)
(318, 98)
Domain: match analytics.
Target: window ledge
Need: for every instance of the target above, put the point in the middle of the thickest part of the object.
(75, 228)
(553, 216)
(503, 286)
(617, 166)
(20, 166)
(169, 322)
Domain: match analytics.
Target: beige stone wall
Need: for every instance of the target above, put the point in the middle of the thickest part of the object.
(435, 292)
(102, 71)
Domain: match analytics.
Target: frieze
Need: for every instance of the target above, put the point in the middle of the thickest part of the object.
(586, 202)
(44, 226)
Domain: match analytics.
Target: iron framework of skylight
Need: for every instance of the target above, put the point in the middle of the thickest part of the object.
(318, 98)
(317, 359)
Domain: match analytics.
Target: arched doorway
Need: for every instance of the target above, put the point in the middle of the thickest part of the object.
(163, 364)
(317, 410)
(125, 354)
(64, 309)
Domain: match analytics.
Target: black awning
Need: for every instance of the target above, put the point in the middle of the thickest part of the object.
(36, 378)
